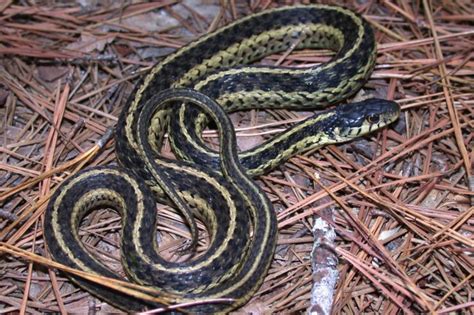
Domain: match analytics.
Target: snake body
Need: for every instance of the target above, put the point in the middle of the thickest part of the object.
(202, 82)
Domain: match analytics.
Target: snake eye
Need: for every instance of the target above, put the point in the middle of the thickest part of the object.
(373, 119)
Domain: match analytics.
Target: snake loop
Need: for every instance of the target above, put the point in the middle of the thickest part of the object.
(210, 77)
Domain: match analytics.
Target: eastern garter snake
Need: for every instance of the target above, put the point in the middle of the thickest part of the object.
(212, 73)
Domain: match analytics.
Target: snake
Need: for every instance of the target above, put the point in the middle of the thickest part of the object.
(195, 87)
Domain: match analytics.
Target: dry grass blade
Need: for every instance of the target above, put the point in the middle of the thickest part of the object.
(121, 286)
(448, 94)
(380, 249)
(372, 274)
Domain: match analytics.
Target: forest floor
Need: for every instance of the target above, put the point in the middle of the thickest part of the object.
(399, 199)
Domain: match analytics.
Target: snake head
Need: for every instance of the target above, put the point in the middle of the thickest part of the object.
(357, 119)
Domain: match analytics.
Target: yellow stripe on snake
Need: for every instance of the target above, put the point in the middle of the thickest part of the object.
(202, 82)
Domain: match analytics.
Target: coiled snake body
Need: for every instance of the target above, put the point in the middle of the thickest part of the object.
(212, 75)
